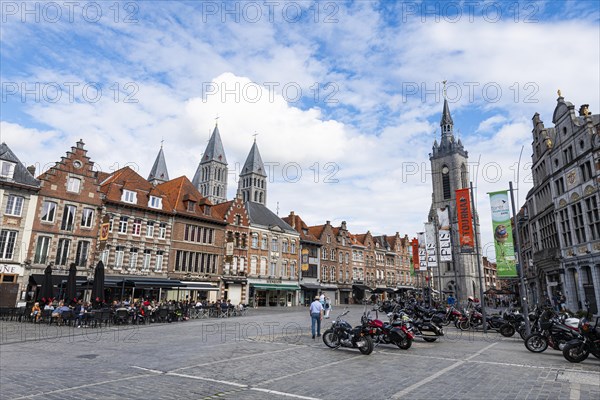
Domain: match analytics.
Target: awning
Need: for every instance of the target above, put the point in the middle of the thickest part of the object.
(199, 286)
(405, 287)
(310, 286)
(38, 279)
(384, 290)
(274, 286)
(345, 289)
(361, 287)
(153, 283)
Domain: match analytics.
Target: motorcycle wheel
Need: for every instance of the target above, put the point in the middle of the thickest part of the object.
(429, 339)
(405, 343)
(507, 330)
(330, 339)
(367, 347)
(445, 322)
(575, 352)
(536, 343)
(464, 325)
(523, 333)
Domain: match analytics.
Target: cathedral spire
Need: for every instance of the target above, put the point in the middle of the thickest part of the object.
(211, 175)
(159, 173)
(253, 183)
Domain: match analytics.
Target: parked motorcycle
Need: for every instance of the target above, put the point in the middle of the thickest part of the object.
(553, 332)
(450, 315)
(341, 333)
(474, 319)
(421, 327)
(395, 332)
(587, 342)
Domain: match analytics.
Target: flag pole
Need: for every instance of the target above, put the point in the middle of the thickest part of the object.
(520, 269)
(478, 261)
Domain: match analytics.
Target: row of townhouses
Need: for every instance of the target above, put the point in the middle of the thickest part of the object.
(172, 238)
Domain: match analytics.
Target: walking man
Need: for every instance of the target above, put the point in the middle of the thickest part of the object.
(316, 315)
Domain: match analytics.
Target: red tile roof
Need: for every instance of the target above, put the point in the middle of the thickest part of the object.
(180, 191)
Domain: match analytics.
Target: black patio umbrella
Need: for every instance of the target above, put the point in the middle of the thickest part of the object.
(46, 295)
(71, 290)
(98, 286)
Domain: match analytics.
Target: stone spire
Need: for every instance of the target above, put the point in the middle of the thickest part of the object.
(253, 183)
(211, 175)
(159, 173)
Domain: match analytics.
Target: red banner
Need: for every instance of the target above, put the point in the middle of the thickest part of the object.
(415, 251)
(465, 220)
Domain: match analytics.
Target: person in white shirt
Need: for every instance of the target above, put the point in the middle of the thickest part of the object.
(316, 315)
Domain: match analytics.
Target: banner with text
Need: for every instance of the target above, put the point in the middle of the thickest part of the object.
(422, 251)
(430, 240)
(465, 221)
(415, 253)
(444, 234)
(503, 237)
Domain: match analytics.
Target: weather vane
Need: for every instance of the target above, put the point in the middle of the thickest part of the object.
(255, 135)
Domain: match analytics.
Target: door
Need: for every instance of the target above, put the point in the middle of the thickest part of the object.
(8, 294)
(234, 293)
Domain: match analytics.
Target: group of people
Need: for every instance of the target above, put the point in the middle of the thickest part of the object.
(58, 310)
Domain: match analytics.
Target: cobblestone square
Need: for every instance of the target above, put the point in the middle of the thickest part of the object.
(270, 355)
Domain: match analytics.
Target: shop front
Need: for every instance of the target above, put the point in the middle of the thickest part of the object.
(345, 294)
(273, 294)
(234, 290)
(308, 292)
(331, 292)
(360, 293)
(196, 290)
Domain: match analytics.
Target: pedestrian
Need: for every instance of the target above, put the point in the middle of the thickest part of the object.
(322, 299)
(327, 307)
(451, 300)
(316, 315)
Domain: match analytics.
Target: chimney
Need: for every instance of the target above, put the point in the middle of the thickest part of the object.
(292, 220)
(80, 144)
(31, 170)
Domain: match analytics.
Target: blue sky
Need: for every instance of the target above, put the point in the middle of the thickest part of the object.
(349, 89)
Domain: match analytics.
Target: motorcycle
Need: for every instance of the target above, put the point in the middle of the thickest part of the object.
(474, 319)
(553, 332)
(341, 333)
(395, 332)
(423, 328)
(451, 315)
(587, 342)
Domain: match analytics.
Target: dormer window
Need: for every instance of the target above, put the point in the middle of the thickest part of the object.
(206, 210)
(73, 185)
(155, 202)
(191, 206)
(129, 196)
(7, 169)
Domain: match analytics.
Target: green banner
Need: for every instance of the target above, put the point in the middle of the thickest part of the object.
(503, 237)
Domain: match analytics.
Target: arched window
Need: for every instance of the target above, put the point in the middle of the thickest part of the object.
(446, 182)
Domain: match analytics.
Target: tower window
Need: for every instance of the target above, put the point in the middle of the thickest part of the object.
(464, 176)
(446, 182)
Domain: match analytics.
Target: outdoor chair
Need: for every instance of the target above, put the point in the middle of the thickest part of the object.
(67, 318)
(162, 314)
(46, 316)
(121, 316)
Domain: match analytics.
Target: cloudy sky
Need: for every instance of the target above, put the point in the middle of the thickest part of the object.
(344, 97)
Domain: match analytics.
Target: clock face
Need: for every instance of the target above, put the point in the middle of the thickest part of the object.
(445, 170)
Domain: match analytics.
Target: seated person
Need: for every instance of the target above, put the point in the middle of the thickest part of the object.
(36, 312)
(58, 312)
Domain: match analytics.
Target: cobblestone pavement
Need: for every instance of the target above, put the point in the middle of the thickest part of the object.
(270, 355)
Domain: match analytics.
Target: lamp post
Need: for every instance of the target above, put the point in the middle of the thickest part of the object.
(522, 281)
(478, 261)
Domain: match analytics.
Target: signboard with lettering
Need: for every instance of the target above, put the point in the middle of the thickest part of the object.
(444, 235)
(12, 269)
(465, 221)
(304, 260)
(431, 245)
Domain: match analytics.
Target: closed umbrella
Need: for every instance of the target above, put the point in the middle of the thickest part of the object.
(98, 286)
(46, 295)
(71, 291)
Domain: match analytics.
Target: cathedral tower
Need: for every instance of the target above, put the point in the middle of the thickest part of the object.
(211, 175)
(253, 178)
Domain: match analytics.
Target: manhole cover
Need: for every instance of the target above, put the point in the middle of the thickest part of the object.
(581, 377)
(88, 356)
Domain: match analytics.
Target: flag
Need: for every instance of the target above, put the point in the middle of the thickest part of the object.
(422, 251)
(430, 241)
(503, 237)
(465, 221)
(444, 234)
(415, 252)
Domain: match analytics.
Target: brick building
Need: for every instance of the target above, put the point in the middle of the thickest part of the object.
(18, 201)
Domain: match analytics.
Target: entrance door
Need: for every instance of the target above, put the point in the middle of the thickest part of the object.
(588, 290)
(234, 293)
(8, 294)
